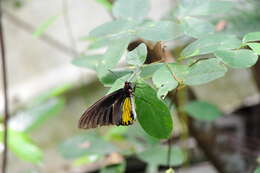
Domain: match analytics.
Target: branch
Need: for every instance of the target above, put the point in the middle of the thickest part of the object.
(5, 88)
(65, 10)
(30, 29)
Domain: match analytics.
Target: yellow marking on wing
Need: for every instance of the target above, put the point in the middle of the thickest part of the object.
(126, 115)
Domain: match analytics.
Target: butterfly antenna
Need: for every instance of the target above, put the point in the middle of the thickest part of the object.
(134, 73)
(113, 73)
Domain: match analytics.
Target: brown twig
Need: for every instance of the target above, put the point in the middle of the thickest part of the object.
(5, 89)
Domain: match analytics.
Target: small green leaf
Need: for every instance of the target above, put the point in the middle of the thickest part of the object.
(82, 145)
(137, 56)
(159, 31)
(164, 80)
(152, 113)
(106, 3)
(257, 170)
(197, 28)
(45, 25)
(204, 71)
(33, 117)
(255, 47)
(20, 144)
(238, 58)
(202, 110)
(252, 36)
(158, 156)
(88, 61)
(134, 9)
(210, 44)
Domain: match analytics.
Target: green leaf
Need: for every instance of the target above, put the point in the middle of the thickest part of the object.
(45, 25)
(210, 44)
(180, 71)
(111, 57)
(158, 156)
(109, 79)
(255, 47)
(204, 71)
(105, 3)
(159, 31)
(164, 80)
(147, 71)
(252, 36)
(197, 28)
(119, 83)
(88, 61)
(202, 7)
(238, 58)
(137, 56)
(33, 117)
(20, 144)
(257, 170)
(85, 144)
(152, 113)
(110, 32)
(202, 110)
(134, 9)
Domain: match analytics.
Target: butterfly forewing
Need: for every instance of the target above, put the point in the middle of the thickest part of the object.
(98, 113)
(116, 108)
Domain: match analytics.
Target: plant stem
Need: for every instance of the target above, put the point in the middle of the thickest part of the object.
(5, 89)
(65, 9)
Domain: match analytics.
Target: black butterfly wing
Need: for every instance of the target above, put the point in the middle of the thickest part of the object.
(104, 112)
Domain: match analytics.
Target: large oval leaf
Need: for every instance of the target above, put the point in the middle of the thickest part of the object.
(159, 31)
(202, 110)
(205, 71)
(237, 58)
(152, 113)
(210, 44)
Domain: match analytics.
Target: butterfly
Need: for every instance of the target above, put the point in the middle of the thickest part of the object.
(116, 108)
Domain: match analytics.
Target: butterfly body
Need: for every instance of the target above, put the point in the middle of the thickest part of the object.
(116, 108)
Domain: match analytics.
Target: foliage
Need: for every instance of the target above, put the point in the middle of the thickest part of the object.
(206, 57)
(257, 170)
(191, 68)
